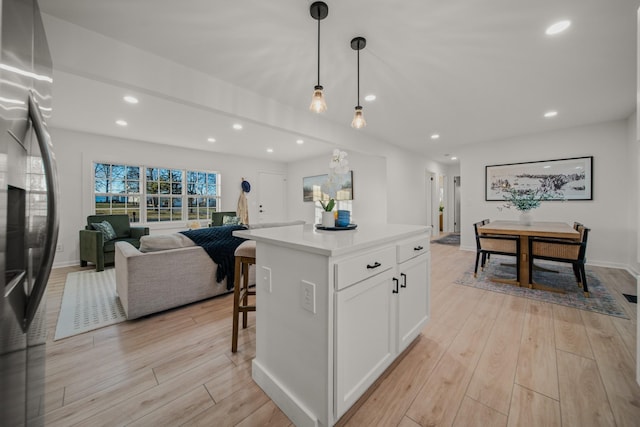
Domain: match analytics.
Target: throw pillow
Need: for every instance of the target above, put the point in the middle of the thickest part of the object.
(231, 220)
(108, 233)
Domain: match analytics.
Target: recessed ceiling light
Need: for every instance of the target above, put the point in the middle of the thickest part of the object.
(558, 27)
(211, 139)
(237, 126)
(131, 99)
(121, 122)
(550, 114)
(546, 167)
(370, 97)
(435, 136)
(299, 141)
(454, 158)
(269, 150)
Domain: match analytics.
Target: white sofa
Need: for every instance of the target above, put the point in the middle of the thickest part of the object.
(168, 271)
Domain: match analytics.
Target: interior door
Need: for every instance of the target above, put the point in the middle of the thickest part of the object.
(271, 197)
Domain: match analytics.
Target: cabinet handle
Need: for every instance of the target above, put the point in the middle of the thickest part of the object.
(404, 280)
(395, 291)
(375, 265)
(418, 248)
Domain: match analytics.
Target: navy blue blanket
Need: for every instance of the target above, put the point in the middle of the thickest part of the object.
(220, 245)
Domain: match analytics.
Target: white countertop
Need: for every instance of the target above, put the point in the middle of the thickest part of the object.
(332, 243)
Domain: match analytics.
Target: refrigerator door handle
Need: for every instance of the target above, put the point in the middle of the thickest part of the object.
(51, 239)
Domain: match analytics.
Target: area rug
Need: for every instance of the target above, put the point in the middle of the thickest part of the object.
(89, 302)
(449, 239)
(600, 301)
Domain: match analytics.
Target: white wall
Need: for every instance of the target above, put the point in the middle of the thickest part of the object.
(75, 152)
(406, 185)
(633, 191)
(613, 182)
(369, 187)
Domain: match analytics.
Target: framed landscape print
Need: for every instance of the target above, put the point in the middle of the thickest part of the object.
(317, 187)
(561, 179)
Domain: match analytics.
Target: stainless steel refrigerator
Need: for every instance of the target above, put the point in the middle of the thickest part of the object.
(28, 209)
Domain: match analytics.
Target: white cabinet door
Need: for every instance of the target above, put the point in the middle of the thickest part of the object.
(364, 343)
(413, 298)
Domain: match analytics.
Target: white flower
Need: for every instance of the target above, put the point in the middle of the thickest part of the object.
(339, 163)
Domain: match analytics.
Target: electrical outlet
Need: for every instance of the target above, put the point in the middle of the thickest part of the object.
(59, 248)
(266, 278)
(308, 296)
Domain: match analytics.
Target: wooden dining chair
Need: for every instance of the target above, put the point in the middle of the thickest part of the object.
(496, 244)
(561, 250)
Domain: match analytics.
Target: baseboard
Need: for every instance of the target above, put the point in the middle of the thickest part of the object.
(294, 409)
(616, 265)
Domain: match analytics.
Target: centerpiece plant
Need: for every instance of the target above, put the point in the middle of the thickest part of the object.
(524, 200)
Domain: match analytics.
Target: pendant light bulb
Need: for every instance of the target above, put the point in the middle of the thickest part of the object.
(318, 104)
(358, 121)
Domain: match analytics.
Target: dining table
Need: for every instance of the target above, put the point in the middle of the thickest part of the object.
(550, 229)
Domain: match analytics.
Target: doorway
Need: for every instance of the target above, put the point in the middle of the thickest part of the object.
(456, 204)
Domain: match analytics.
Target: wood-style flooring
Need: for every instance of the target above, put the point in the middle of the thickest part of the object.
(484, 359)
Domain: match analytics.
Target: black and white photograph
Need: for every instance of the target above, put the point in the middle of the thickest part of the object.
(561, 179)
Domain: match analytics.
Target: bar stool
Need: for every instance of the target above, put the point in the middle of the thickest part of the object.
(245, 256)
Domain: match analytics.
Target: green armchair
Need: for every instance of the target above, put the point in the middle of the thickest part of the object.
(93, 247)
(217, 217)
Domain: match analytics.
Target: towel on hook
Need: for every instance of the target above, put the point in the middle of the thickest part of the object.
(243, 209)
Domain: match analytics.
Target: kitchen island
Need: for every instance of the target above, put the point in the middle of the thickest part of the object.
(334, 309)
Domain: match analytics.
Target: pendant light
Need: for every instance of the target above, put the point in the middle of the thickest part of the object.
(319, 10)
(358, 121)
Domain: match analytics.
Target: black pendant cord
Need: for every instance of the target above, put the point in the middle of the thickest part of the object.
(318, 52)
(358, 77)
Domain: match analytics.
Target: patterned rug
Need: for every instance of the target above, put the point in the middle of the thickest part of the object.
(449, 239)
(89, 302)
(600, 301)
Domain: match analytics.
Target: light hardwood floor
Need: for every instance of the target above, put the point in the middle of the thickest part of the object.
(485, 359)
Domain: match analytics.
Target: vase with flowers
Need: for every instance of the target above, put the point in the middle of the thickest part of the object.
(524, 201)
(339, 165)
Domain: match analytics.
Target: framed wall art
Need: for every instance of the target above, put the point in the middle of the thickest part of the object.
(561, 179)
(317, 187)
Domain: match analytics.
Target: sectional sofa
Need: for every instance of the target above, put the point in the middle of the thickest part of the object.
(168, 271)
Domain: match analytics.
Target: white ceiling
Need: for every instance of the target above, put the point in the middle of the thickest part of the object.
(469, 70)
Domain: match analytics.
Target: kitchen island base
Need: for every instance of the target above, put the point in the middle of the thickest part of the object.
(334, 310)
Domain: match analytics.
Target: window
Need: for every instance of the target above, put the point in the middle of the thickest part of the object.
(117, 190)
(202, 191)
(164, 194)
(170, 194)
